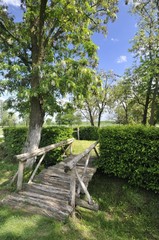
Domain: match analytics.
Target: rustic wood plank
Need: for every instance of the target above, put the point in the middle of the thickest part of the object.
(73, 189)
(40, 151)
(85, 204)
(20, 176)
(72, 163)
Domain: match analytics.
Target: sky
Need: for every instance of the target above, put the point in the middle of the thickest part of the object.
(113, 49)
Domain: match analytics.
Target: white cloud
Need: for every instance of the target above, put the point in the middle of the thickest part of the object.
(114, 40)
(122, 59)
(12, 2)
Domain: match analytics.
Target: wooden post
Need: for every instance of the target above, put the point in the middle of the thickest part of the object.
(78, 135)
(20, 176)
(84, 188)
(37, 166)
(73, 188)
(84, 172)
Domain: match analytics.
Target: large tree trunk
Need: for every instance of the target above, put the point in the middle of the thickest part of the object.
(37, 112)
(35, 126)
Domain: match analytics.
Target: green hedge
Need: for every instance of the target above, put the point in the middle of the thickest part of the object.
(14, 139)
(87, 133)
(131, 152)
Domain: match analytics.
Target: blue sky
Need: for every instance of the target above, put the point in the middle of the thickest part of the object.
(113, 49)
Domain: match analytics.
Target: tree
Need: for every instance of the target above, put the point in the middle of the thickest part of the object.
(48, 53)
(145, 46)
(97, 98)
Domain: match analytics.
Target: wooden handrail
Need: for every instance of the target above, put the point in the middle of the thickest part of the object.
(24, 156)
(41, 151)
(71, 166)
(72, 163)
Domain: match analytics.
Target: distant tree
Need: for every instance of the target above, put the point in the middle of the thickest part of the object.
(145, 48)
(68, 116)
(97, 98)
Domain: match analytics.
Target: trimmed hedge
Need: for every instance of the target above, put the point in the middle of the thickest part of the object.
(131, 152)
(14, 139)
(87, 133)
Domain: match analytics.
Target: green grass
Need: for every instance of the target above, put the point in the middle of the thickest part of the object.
(80, 146)
(125, 213)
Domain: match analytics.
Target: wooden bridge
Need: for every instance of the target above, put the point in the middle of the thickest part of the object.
(55, 191)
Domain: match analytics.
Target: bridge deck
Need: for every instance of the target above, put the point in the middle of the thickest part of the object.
(49, 193)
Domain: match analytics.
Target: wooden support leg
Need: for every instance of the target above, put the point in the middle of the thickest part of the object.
(73, 189)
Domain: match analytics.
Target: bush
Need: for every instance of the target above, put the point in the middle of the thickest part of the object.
(87, 133)
(131, 152)
(15, 138)
(54, 135)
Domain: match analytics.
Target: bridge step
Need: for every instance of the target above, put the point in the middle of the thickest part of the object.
(39, 204)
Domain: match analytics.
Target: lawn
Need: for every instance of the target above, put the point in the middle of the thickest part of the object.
(125, 213)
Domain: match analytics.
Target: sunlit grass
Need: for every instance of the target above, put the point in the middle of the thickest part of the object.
(79, 146)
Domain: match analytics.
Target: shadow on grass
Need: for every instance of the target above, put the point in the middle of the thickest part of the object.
(125, 213)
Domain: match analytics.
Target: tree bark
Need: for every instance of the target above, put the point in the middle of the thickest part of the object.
(153, 105)
(35, 127)
(144, 120)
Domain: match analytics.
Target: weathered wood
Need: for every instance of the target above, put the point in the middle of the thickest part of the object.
(96, 151)
(72, 163)
(48, 190)
(84, 172)
(84, 188)
(40, 151)
(37, 166)
(73, 189)
(44, 205)
(14, 178)
(85, 204)
(20, 176)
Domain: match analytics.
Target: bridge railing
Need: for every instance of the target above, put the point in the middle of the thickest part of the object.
(22, 158)
(75, 187)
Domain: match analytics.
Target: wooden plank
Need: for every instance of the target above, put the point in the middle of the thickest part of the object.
(40, 204)
(72, 163)
(73, 189)
(85, 204)
(84, 187)
(40, 151)
(20, 176)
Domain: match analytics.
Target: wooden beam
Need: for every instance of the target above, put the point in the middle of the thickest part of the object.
(72, 163)
(23, 157)
(20, 176)
(85, 204)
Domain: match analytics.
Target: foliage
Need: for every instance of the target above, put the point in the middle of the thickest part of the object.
(68, 115)
(54, 135)
(15, 137)
(87, 133)
(131, 152)
(98, 97)
(145, 50)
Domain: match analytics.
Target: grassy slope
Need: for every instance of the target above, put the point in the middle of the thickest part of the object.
(125, 213)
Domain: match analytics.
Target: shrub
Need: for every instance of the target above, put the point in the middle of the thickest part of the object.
(131, 152)
(87, 133)
(15, 138)
(54, 135)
